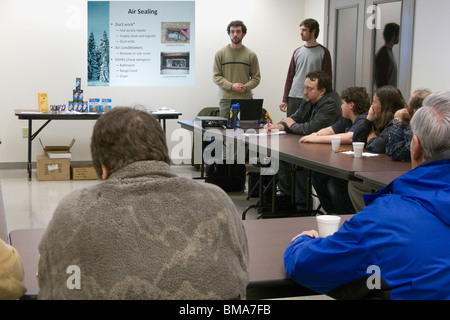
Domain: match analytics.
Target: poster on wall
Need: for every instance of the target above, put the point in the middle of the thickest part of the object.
(141, 43)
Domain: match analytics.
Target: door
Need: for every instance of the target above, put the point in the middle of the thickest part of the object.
(355, 34)
(402, 13)
(346, 42)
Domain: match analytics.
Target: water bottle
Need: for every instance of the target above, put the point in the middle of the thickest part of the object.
(234, 116)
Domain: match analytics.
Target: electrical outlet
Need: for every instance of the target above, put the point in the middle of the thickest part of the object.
(25, 133)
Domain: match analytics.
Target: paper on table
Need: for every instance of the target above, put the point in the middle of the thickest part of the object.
(265, 134)
(163, 110)
(365, 154)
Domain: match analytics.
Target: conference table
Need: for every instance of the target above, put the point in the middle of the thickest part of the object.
(379, 179)
(267, 241)
(376, 171)
(31, 115)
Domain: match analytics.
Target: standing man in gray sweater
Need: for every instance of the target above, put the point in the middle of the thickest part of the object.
(308, 58)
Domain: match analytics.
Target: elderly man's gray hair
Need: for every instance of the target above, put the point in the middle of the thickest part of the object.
(431, 124)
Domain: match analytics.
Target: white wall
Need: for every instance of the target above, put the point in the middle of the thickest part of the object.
(431, 62)
(44, 49)
(316, 9)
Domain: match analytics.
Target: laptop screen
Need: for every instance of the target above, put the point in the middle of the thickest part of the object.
(250, 109)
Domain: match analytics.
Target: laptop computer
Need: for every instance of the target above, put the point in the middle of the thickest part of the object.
(250, 114)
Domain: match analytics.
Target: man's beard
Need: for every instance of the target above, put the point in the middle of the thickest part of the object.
(236, 40)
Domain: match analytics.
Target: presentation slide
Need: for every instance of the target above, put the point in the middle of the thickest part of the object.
(141, 43)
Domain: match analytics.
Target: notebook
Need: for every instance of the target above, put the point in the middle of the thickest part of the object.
(250, 114)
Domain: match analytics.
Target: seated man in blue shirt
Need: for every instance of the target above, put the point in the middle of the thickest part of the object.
(396, 248)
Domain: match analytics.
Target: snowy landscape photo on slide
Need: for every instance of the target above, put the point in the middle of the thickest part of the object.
(98, 44)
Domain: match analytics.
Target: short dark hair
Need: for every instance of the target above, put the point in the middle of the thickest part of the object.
(125, 135)
(324, 80)
(417, 99)
(237, 23)
(311, 24)
(390, 30)
(360, 98)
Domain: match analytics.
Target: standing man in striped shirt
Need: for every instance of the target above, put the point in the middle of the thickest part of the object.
(236, 69)
(310, 57)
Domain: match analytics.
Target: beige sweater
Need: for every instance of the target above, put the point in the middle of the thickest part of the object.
(236, 66)
(145, 234)
(11, 273)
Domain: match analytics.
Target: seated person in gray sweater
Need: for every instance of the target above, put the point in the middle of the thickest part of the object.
(143, 232)
(320, 109)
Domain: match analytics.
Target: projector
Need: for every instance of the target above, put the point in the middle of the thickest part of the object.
(212, 122)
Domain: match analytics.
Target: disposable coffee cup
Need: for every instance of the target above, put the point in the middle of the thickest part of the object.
(358, 149)
(328, 225)
(336, 142)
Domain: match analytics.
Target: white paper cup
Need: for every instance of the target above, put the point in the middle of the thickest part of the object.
(328, 225)
(336, 142)
(358, 149)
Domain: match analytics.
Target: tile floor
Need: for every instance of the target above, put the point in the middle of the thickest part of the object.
(30, 204)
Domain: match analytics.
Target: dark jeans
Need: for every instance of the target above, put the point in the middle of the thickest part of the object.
(332, 193)
(285, 176)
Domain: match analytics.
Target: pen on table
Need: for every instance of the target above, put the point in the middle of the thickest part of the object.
(341, 151)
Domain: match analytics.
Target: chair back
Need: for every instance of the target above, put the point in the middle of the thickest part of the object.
(205, 112)
(3, 229)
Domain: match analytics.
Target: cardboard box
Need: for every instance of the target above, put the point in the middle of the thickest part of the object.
(58, 152)
(52, 169)
(83, 172)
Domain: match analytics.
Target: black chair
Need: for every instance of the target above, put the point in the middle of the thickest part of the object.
(272, 206)
(205, 112)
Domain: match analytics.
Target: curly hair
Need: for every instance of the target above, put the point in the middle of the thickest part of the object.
(237, 23)
(360, 98)
(324, 80)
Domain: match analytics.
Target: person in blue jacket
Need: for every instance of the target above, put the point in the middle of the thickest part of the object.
(397, 246)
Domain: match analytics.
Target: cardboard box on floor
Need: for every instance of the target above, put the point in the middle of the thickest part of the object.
(54, 164)
(58, 152)
(52, 169)
(84, 171)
